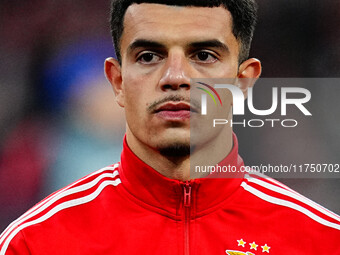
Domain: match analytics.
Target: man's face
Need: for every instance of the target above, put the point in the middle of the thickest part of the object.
(162, 47)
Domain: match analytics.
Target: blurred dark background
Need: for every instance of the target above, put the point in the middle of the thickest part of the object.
(58, 117)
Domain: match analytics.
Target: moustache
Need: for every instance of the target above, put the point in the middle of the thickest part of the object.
(194, 104)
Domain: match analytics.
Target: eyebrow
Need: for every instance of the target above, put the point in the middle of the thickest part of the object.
(143, 43)
(210, 44)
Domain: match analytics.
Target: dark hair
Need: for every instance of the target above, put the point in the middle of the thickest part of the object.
(243, 12)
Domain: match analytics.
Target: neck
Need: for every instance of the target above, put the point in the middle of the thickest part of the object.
(183, 168)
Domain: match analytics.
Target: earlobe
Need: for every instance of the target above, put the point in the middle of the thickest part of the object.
(113, 74)
(249, 72)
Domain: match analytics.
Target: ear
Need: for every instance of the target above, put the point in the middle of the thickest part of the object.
(249, 72)
(113, 74)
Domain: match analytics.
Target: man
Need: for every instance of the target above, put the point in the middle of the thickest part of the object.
(148, 203)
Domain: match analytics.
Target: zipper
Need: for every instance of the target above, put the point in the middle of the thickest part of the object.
(187, 205)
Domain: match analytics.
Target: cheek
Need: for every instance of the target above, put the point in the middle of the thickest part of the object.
(140, 87)
(132, 100)
(132, 87)
(220, 70)
(229, 71)
(227, 99)
(135, 97)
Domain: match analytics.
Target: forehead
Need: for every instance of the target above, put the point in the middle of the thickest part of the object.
(173, 24)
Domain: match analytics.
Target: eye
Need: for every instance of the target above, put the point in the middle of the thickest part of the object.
(148, 58)
(204, 57)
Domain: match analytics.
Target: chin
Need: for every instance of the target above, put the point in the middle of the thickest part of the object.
(173, 143)
(175, 150)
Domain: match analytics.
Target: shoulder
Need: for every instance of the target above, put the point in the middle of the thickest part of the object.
(275, 194)
(79, 193)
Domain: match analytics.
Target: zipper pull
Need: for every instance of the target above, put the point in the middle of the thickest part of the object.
(187, 194)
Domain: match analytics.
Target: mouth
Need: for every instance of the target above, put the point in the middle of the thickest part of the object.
(175, 111)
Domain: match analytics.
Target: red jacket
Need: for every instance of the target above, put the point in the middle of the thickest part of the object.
(129, 208)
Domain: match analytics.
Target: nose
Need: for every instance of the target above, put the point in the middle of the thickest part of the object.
(175, 74)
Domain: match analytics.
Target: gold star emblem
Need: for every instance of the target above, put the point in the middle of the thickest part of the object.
(253, 245)
(241, 242)
(265, 248)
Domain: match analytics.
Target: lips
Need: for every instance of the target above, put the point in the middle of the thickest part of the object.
(174, 107)
(172, 111)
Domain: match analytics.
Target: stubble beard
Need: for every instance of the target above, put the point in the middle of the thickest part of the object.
(175, 150)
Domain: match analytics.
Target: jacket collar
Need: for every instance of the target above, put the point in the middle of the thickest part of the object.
(157, 191)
